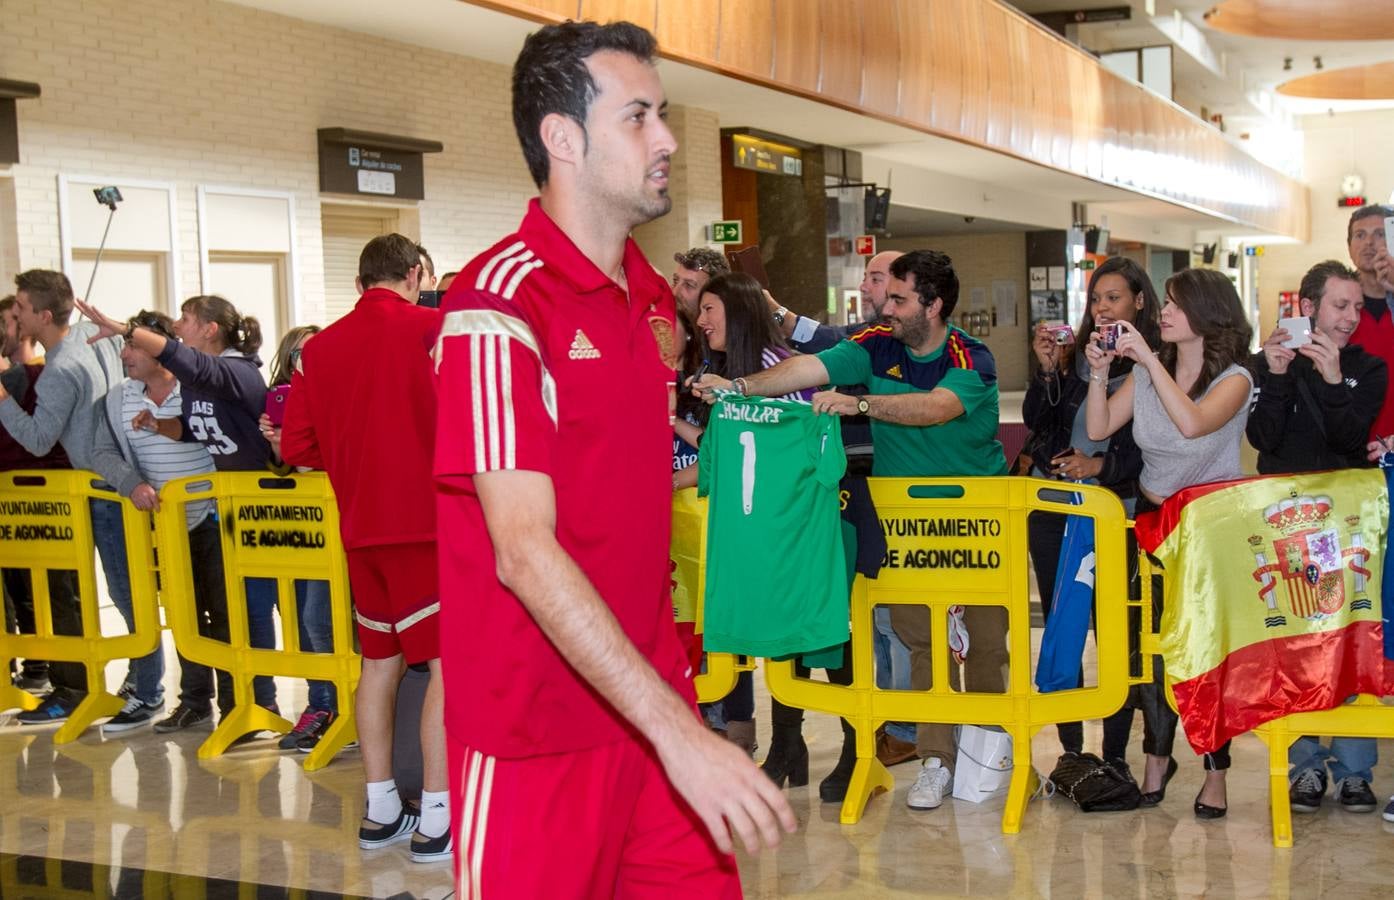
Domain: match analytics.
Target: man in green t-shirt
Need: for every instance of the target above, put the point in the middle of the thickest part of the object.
(932, 402)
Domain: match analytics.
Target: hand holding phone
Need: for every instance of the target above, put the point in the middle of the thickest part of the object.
(276, 399)
(1299, 329)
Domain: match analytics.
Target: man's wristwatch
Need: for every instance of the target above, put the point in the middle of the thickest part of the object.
(778, 315)
(863, 406)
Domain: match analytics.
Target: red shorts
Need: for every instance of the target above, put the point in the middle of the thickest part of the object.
(395, 600)
(601, 822)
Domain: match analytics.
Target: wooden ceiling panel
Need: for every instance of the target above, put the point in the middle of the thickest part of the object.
(1372, 82)
(1303, 20)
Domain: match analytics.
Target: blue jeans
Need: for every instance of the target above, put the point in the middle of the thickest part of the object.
(109, 535)
(261, 632)
(892, 666)
(316, 636)
(1347, 756)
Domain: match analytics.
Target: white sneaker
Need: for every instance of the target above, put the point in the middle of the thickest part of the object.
(930, 785)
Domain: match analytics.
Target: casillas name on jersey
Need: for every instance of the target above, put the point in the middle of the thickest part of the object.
(775, 581)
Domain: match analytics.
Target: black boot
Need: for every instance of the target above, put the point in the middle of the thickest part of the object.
(788, 759)
(834, 788)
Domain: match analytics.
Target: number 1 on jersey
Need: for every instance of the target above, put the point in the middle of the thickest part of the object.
(747, 471)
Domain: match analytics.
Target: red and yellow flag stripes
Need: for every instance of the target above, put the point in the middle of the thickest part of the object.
(1272, 598)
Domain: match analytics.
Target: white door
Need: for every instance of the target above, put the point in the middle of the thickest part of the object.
(255, 284)
(346, 230)
(127, 282)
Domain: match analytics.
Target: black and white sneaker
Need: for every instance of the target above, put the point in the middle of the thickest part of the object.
(379, 835)
(184, 716)
(1306, 791)
(429, 850)
(1355, 795)
(135, 714)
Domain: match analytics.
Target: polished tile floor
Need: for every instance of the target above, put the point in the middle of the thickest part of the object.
(145, 802)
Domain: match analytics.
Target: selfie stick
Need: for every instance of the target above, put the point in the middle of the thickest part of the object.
(110, 203)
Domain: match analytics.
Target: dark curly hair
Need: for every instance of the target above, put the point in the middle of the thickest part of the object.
(1212, 308)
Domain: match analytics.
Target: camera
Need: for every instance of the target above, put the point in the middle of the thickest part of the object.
(108, 196)
(1063, 333)
(1108, 336)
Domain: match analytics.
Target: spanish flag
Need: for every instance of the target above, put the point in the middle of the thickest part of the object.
(1273, 596)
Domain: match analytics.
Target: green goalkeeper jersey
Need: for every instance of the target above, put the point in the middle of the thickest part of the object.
(776, 581)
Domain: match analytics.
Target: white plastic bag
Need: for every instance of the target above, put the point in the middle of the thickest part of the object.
(984, 766)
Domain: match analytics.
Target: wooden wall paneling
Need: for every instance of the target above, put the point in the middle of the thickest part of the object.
(992, 22)
(797, 48)
(920, 65)
(1052, 96)
(880, 57)
(552, 9)
(975, 75)
(1331, 20)
(640, 12)
(1086, 112)
(941, 45)
(688, 29)
(965, 77)
(1026, 110)
(745, 41)
(840, 51)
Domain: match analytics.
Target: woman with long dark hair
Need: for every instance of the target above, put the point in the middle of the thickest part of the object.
(1119, 291)
(1188, 404)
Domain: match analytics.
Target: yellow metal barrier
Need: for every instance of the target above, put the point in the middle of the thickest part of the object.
(689, 554)
(1364, 717)
(46, 526)
(964, 541)
(286, 529)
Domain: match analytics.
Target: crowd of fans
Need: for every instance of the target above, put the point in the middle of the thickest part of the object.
(1148, 395)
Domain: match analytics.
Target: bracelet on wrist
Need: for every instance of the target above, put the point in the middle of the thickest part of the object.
(738, 385)
(1095, 378)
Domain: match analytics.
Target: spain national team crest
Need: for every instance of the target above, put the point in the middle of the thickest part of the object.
(663, 336)
(1317, 565)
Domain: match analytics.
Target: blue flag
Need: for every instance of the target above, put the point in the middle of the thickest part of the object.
(1062, 646)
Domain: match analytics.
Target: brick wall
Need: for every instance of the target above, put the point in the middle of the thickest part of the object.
(979, 260)
(199, 92)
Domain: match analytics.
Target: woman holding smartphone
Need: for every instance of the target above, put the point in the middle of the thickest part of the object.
(224, 394)
(311, 597)
(1188, 405)
(1054, 409)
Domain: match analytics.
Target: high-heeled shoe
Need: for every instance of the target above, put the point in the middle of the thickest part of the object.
(1204, 811)
(1153, 798)
(788, 759)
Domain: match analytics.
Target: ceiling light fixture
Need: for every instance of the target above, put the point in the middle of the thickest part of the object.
(1316, 61)
(1287, 63)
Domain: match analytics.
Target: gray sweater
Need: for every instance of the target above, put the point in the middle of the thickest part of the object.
(70, 392)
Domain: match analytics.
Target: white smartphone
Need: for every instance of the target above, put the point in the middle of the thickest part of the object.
(1388, 230)
(1299, 329)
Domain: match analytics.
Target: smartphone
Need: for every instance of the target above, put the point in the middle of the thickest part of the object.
(430, 298)
(1299, 329)
(1389, 232)
(276, 404)
(1108, 336)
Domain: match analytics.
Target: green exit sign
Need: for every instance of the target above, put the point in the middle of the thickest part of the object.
(726, 232)
(1086, 264)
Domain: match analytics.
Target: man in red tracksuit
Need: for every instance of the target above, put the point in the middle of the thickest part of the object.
(362, 407)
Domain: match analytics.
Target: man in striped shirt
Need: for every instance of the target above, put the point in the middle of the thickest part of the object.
(138, 462)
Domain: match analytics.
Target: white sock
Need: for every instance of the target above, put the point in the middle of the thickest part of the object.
(435, 813)
(384, 805)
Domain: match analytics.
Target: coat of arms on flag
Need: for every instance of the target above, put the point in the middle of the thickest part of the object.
(1315, 546)
(1311, 560)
